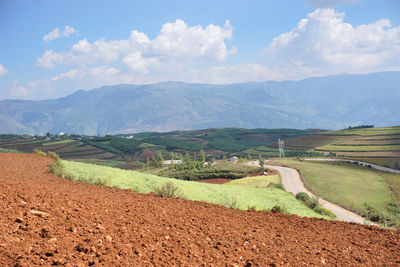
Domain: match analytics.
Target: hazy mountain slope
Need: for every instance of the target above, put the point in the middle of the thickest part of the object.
(326, 102)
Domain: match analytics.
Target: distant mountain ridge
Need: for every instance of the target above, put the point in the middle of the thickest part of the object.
(325, 102)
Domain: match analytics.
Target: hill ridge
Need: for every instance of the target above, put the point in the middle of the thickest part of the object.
(320, 102)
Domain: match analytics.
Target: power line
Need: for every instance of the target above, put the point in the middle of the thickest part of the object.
(281, 145)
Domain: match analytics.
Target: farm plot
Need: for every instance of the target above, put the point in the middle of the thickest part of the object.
(353, 187)
(51, 221)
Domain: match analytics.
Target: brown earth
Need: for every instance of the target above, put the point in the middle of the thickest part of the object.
(215, 180)
(50, 221)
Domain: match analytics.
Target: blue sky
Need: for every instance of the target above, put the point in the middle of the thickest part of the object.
(50, 49)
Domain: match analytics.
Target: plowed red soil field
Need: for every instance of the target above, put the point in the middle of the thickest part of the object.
(46, 220)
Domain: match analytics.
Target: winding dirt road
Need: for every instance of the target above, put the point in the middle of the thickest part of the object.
(292, 183)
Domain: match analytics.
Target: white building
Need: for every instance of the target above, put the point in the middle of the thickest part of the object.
(233, 159)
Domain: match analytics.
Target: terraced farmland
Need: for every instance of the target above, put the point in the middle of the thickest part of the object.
(366, 131)
(359, 147)
(375, 145)
(67, 149)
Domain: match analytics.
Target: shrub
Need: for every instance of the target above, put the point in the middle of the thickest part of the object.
(39, 152)
(315, 203)
(372, 214)
(303, 197)
(394, 209)
(95, 181)
(168, 189)
(233, 203)
(53, 155)
(279, 208)
(325, 211)
(252, 207)
(56, 168)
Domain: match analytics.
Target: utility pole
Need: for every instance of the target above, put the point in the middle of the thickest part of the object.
(281, 145)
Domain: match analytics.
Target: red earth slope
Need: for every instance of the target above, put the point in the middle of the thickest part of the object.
(46, 220)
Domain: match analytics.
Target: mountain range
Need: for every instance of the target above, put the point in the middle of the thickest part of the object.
(330, 102)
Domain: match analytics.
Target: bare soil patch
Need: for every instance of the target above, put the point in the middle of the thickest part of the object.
(46, 220)
(215, 181)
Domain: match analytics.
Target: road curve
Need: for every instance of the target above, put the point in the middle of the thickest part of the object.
(292, 183)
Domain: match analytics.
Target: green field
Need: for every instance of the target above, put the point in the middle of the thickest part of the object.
(65, 141)
(256, 181)
(349, 185)
(6, 150)
(195, 170)
(393, 163)
(366, 131)
(261, 198)
(364, 147)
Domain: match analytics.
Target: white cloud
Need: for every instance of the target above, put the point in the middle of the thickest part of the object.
(49, 59)
(103, 71)
(180, 41)
(18, 90)
(330, 3)
(56, 33)
(67, 82)
(68, 31)
(176, 43)
(325, 42)
(137, 63)
(3, 70)
(245, 72)
(75, 73)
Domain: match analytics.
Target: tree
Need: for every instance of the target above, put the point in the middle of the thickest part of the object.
(147, 163)
(248, 155)
(202, 156)
(261, 160)
(160, 160)
(187, 157)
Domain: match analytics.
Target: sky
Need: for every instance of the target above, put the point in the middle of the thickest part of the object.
(49, 49)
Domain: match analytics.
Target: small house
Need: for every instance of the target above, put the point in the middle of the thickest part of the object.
(233, 159)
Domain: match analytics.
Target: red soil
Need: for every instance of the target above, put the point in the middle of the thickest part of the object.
(84, 225)
(215, 181)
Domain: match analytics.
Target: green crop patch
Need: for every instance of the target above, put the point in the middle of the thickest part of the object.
(366, 131)
(360, 148)
(242, 196)
(7, 150)
(65, 141)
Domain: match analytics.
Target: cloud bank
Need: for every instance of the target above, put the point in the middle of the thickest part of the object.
(177, 43)
(322, 43)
